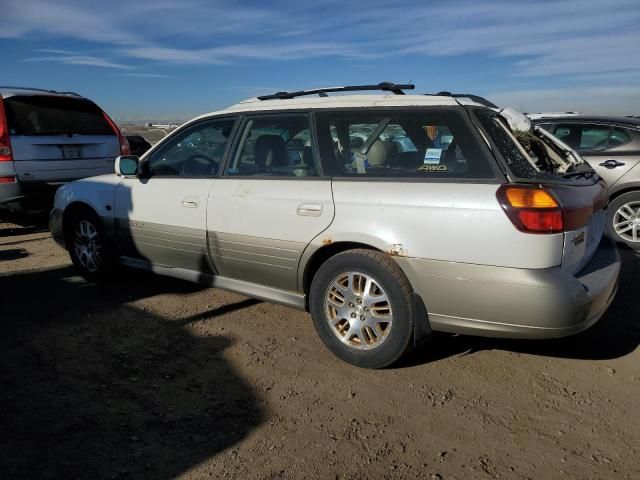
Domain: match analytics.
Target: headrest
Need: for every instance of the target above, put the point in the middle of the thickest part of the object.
(270, 151)
(295, 144)
(379, 153)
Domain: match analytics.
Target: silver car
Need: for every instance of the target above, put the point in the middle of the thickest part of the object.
(612, 146)
(282, 199)
(48, 138)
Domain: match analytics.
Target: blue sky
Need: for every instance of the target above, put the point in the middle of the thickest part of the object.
(162, 59)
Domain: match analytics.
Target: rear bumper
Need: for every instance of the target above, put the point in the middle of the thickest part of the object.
(10, 196)
(25, 196)
(55, 225)
(515, 303)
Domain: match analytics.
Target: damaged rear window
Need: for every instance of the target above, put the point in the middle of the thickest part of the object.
(513, 153)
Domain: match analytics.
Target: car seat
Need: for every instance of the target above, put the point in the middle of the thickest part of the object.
(454, 160)
(270, 155)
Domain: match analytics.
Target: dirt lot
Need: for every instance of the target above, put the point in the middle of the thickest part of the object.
(149, 377)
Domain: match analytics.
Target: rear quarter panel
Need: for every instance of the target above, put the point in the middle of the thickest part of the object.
(454, 222)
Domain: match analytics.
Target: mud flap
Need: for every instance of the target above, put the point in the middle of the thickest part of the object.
(421, 325)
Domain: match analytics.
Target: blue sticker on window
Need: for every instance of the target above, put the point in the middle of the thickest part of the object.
(432, 156)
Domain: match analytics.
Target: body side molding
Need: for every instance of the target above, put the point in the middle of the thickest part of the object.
(254, 290)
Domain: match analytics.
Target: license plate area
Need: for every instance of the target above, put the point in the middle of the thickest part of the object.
(71, 151)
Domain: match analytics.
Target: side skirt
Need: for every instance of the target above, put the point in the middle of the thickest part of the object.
(254, 290)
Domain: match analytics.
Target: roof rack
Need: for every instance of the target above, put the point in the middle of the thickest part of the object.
(322, 92)
(470, 96)
(6, 87)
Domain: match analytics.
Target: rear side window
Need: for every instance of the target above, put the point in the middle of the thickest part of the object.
(394, 144)
(618, 137)
(510, 149)
(593, 138)
(44, 115)
(274, 146)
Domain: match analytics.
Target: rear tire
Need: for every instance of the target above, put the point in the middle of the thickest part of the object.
(89, 247)
(623, 219)
(362, 308)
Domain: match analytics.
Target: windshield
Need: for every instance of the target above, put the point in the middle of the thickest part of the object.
(49, 115)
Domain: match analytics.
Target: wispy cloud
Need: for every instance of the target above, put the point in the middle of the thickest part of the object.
(55, 51)
(72, 59)
(65, 18)
(145, 75)
(221, 55)
(564, 37)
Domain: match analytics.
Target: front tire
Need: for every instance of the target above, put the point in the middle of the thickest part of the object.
(623, 219)
(88, 246)
(362, 308)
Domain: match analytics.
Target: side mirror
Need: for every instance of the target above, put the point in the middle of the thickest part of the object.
(127, 165)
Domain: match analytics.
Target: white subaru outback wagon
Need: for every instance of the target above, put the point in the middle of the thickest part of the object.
(385, 215)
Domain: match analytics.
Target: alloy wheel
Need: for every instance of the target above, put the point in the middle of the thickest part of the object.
(626, 222)
(87, 246)
(358, 310)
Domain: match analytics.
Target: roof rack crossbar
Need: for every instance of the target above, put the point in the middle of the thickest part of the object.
(470, 96)
(384, 86)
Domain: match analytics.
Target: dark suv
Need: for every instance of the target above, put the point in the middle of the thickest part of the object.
(612, 146)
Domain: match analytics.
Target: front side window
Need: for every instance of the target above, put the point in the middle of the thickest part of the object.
(407, 144)
(274, 145)
(197, 151)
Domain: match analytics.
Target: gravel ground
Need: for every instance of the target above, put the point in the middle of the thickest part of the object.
(148, 377)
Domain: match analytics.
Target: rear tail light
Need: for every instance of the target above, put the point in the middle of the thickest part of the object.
(8, 179)
(531, 209)
(5, 143)
(124, 143)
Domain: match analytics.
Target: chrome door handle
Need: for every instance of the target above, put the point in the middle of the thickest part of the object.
(190, 202)
(309, 210)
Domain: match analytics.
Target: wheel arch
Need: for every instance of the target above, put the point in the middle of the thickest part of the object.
(625, 188)
(324, 253)
(422, 326)
(73, 209)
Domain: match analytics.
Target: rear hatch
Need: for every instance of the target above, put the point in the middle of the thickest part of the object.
(584, 212)
(540, 162)
(58, 138)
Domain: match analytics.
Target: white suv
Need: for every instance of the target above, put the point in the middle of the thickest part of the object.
(385, 216)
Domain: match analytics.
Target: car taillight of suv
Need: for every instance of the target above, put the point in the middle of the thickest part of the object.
(125, 149)
(5, 144)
